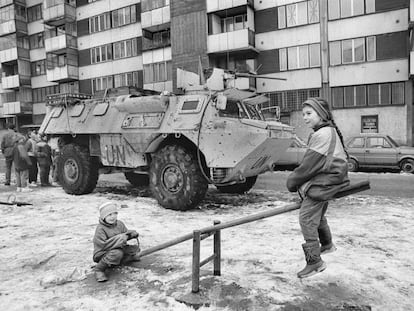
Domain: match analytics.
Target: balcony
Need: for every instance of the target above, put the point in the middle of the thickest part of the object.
(13, 54)
(235, 41)
(58, 12)
(60, 43)
(14, 108)
(148, 44)
(14, 81)
(219, 5)
(12, 26)
(9, 2)
(64, 73)
(156, 20)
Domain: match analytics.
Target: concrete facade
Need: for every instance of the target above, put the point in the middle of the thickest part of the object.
(355, 53)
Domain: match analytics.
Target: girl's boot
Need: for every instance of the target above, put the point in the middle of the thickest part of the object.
(314, 263)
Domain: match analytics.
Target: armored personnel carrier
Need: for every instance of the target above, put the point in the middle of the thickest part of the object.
(178, 144)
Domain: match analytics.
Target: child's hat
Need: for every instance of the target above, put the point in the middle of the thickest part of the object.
(107, 208)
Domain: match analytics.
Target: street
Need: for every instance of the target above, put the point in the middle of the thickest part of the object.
(46, 251)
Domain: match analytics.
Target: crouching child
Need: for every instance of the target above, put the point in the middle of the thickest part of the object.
(110, 241)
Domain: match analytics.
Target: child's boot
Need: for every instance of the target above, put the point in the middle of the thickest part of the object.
(99, 269)
(325, 238)
(314, 263)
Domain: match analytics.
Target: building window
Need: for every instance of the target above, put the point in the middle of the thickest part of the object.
(353, 50)
(38, 68)
(292, 100)
(101, 53)
(148, 5)
(34, 13)
(347, 8)
(100, 23)
(300, 13)
(369, 124)
(102, 83)
(125, 48)
(233, 23)
(158, 72)
(299, 57)
(22, 42)
(39, 94)
(368, 95)
(124, 16)
(36, 41)
(126, 79)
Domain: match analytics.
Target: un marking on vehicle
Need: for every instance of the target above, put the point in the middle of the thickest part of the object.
(115, 154)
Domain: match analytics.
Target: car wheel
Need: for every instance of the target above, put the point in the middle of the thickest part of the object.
(352, 165)
(407, 166)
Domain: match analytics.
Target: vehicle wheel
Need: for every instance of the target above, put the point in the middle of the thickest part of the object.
(407, 166)
(239, 188)
(352, 165)
(137, 180)
(176, 180)
(78, 172)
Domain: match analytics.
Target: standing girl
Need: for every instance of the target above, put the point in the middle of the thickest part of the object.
(322, 173)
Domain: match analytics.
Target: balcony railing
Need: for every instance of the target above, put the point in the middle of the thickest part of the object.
(14, 81)
(64, 73)
(155, 19)
(59, 13)
(219, 5)
(238, 40)
(12, 26)
(9, 2)
(14, 108)
(13, 54)
(148, 44)
(60, 43)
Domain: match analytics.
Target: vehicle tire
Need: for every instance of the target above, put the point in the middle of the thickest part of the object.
(352, 165)
(176, 180)
(137, 180)
(239, 188)
(78, 172)
(407, 166)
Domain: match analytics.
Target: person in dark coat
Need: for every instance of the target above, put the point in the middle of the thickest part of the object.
(21, 164)
(44, 160)
(31, 150)
(110, 241)
(7, 144)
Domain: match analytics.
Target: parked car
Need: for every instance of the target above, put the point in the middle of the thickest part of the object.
(293, 156)
(378, 151)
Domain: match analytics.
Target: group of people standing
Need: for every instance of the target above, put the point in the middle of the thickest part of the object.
(31, 156)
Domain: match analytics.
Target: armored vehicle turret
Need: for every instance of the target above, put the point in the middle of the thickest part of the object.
(178, 144)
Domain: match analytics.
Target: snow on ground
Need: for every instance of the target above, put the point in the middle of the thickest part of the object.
(50, 242)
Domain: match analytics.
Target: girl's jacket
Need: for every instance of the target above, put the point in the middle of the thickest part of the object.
(324, 168)
(108, 237)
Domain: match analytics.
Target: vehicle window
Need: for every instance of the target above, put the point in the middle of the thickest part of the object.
(393, 141)
(233, 110)
(377, 142)
(253, 112)
(357, 142)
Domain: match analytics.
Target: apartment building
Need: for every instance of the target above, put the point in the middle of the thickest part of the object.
(356, 53)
